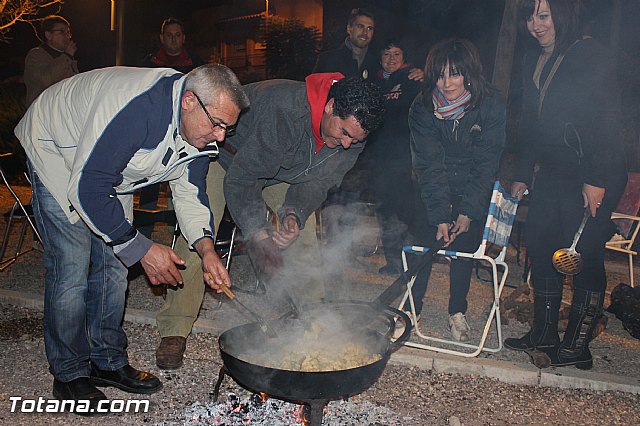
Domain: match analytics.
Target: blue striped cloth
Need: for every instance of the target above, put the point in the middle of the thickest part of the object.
(502, 213)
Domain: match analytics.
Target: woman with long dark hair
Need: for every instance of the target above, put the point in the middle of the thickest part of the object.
(457, 129)
(569, 128)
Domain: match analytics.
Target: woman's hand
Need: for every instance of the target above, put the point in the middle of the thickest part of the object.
(460, 226)
(518, 189)
(443, 233)
(416, 74)
(593, 196)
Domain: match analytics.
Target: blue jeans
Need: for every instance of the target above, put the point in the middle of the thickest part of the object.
(84, 296)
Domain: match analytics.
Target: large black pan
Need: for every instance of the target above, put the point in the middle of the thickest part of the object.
(303, 386)
(371, 325)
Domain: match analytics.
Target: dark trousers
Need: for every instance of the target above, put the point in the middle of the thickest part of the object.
(459, 273)
(395, 206)
(555, 212)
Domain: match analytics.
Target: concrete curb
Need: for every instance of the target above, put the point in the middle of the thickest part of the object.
(504, 371)
(516, 373)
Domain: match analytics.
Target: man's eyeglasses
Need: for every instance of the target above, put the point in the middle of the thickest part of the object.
(64, 31)
(228, 130)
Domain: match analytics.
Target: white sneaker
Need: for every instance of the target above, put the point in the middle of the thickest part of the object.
(459, 327)
(400, 325)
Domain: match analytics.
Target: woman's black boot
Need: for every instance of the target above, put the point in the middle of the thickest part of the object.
(546, 311)
(574, 349)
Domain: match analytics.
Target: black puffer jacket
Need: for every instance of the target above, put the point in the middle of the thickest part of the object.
(456, 162)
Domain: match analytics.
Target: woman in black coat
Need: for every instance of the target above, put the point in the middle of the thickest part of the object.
(570, 122)
(390, 155)
(457, 136)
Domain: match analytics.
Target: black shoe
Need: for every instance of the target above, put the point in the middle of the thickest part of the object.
(127, 379)
(546, 312)
(80, 389)
(586, 308)
(560, 357)
(526, 342)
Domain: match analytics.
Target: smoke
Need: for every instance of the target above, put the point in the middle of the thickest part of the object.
(314, 279)
(317, 269)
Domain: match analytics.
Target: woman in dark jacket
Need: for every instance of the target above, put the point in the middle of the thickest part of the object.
(457, 136)
(390, 155)
(570, 128)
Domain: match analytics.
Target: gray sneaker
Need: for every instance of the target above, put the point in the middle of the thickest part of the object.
(459, 327)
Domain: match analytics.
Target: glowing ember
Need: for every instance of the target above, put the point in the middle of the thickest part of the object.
(260, 410)
(299, 417)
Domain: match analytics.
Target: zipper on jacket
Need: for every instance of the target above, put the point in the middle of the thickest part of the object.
(309, 167)
(136, 185)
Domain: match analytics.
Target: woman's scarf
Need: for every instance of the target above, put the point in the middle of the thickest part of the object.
(450, 110)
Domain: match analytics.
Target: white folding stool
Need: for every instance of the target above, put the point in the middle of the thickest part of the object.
(502, 212)
(20, 211)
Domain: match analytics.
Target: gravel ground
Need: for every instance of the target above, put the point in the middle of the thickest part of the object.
(405, 395)
(411, 396)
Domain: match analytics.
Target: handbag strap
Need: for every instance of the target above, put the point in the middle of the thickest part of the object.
(547, 81)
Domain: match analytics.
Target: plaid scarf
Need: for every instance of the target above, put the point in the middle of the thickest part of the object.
(450, 110)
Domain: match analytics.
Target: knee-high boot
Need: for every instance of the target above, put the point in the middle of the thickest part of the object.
(574, 349)
(546, 311)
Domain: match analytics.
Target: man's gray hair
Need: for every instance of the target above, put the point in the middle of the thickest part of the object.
(207, 81)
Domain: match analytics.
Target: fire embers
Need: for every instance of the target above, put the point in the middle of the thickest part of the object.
(247, 409)
(255, 409)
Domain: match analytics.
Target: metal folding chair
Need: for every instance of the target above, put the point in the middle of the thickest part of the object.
(500, 218)
(627, 220)
(19, 211)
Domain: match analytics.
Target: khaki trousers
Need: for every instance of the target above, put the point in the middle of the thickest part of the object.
(180, 311)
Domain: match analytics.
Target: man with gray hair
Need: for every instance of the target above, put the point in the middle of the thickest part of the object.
(91, 140)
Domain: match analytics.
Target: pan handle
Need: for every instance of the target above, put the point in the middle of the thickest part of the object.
(399, 285)
(395, 345)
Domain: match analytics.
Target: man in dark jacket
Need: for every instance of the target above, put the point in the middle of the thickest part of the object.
(295, 142)
(352, 58)
(53, 60)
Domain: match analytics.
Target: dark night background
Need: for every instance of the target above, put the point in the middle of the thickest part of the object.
(421, 21)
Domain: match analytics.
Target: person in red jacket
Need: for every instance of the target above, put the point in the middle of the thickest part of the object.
(172, 53)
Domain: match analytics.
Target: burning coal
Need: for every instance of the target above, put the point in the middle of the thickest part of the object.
(253, 409)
